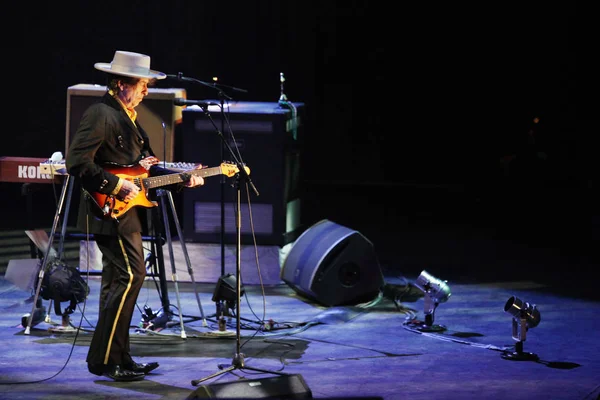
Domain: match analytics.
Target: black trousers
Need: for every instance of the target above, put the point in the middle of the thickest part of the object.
(123, 274)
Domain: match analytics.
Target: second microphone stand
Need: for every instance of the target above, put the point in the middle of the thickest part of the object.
(222, 97)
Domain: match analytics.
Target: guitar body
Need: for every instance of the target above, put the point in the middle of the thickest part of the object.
(113, 207)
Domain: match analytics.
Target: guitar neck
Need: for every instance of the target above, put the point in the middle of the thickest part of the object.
(164, 180)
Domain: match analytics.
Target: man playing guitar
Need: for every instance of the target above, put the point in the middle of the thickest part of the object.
(110, 136)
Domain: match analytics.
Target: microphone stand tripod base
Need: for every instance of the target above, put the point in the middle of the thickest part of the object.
(65, 327)
(237, 363)
(62, 329)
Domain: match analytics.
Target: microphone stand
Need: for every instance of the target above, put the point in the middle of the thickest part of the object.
(222, 97)
(242, 175)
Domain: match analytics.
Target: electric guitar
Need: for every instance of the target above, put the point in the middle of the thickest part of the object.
(112, 207)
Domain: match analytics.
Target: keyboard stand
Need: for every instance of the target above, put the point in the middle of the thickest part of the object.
(66, 192)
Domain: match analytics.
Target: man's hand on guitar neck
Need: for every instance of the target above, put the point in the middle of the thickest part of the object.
(195, 180)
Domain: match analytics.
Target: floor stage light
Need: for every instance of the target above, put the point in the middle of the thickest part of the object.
(435, 292)
(524, 316)
(225, 296)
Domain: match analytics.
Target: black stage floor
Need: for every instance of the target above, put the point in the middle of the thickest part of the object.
(366, 349)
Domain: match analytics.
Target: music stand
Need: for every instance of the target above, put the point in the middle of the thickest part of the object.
(238, 357)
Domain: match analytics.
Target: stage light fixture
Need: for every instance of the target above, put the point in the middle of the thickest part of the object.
(225, 295)
(524, 316)
(436, 291)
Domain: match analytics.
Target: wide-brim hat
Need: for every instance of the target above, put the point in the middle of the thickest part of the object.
(127, 63)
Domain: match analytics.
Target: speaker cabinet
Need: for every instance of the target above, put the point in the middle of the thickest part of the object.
(155, 110)
(333, 265)
(278, 387)
(266, 137)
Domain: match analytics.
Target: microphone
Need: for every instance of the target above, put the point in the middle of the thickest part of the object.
(178, 77)
(185, 102)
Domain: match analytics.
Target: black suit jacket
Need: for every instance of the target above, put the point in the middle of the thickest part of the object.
(106, 134)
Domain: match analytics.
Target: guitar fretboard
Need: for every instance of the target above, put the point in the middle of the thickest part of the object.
(163, 180)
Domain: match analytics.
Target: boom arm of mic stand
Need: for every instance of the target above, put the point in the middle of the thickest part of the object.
(213, 85)
(221, 93)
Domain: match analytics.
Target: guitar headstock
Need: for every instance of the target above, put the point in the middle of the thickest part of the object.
(230, 170)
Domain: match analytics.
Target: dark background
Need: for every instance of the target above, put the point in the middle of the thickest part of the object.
(414, 113)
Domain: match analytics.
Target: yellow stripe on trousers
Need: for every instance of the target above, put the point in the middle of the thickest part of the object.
(112, 332)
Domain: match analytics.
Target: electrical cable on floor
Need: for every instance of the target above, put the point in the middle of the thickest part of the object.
(269, 328)
(372, 303)
(384, 353)
(460, 341)
(85, 318)
(65, 363)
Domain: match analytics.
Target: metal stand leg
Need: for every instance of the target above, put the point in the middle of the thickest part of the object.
(165, 193)
(159, 260)
(161, 192)
(63, 232)
(66, 188)
(187, 257)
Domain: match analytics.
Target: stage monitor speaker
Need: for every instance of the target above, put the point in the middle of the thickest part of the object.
(333, 265)
(279, 387)
(156, 109)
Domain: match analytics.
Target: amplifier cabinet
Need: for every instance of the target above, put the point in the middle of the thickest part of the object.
(267, 139)
(157, 109)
